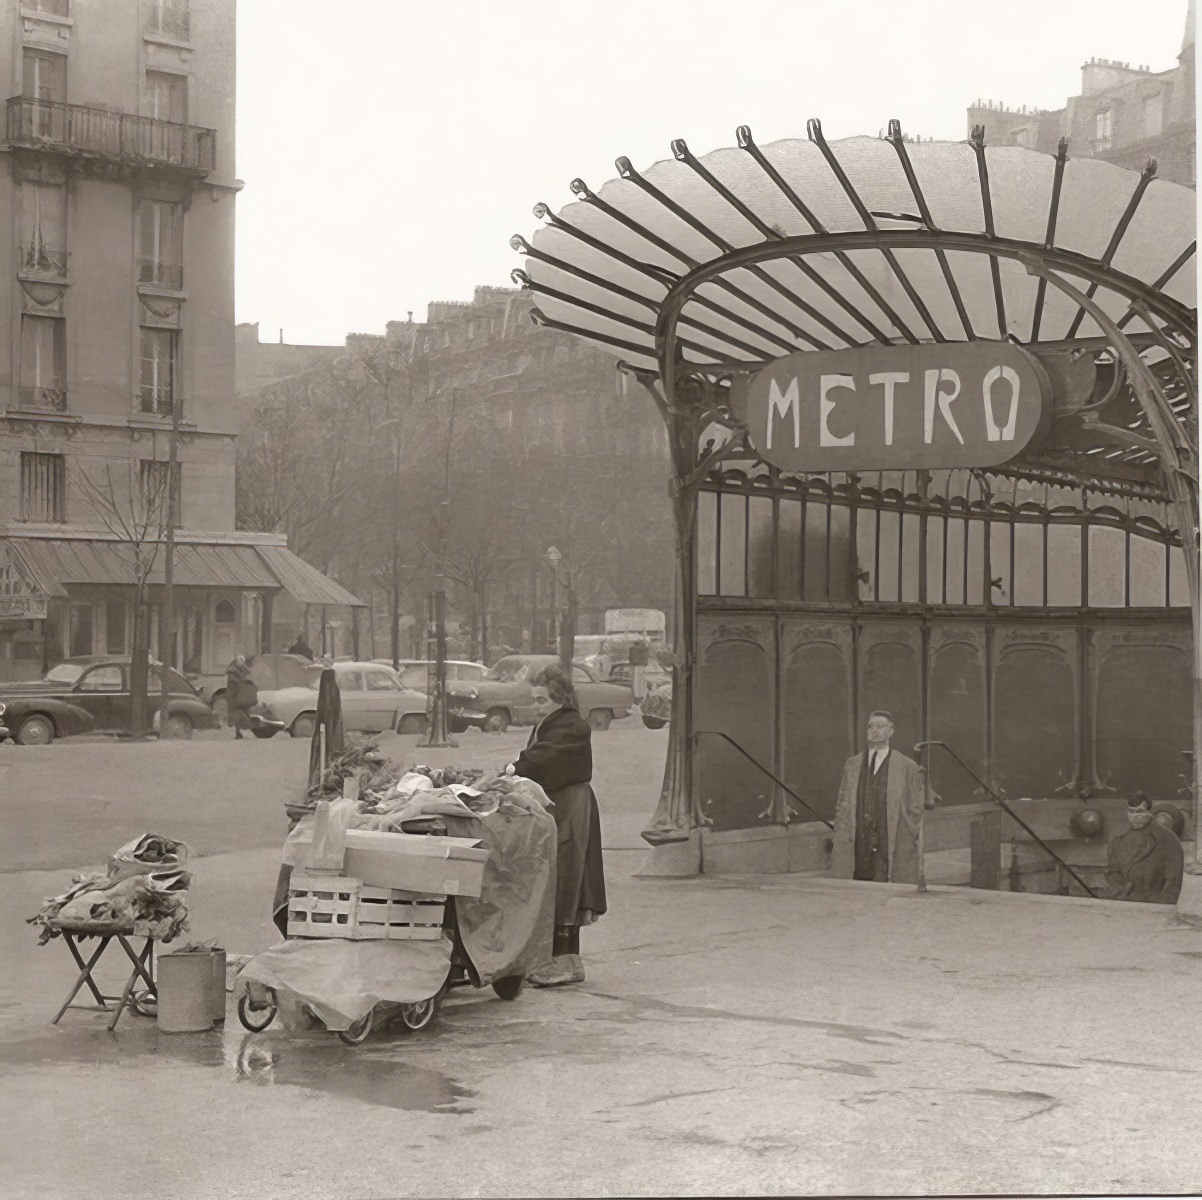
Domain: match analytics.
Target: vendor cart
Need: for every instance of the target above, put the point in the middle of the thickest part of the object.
(358, 956)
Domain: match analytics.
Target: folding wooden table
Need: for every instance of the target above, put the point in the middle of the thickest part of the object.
(142, 960)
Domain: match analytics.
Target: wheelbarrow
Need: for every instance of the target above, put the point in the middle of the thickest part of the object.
(355, 987)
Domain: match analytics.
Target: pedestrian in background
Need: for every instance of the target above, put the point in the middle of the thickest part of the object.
(559, 758)
(241, 695)
(301, 647)
(878, 815)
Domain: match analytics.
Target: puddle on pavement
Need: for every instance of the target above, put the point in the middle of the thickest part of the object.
(316, 1062)
(275, 1060)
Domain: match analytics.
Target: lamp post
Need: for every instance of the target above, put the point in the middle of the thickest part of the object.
(563, 609)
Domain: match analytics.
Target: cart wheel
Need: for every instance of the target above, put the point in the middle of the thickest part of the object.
(359, 1030)
(508, 988)
(255, 1019)
(419, 1015)
(145, 1003)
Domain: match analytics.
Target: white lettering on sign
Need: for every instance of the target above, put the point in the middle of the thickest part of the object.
(896, 407)
(992, 432)
(826, 406)
(934, 394)
(889, 380)
(779, 405)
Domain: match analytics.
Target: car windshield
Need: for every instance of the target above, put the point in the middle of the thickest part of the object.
(511, 670)
(68, 673)
(313, 676)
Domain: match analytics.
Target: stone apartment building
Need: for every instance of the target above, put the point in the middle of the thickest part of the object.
(117, 193)
(1123, 114)
(549, 404)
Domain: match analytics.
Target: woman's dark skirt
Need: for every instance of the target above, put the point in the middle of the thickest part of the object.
(580, 872)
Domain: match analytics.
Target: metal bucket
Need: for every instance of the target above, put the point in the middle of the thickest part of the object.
(217, 985)
(185, 992)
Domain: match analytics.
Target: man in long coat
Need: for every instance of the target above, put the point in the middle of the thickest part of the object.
(878, 816)
(1146, 863)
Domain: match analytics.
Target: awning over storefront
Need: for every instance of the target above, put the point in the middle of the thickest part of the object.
(58, 562)
(303, 582)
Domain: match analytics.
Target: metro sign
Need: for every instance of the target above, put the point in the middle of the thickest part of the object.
(974, 404)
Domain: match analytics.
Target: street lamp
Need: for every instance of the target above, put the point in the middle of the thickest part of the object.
(565, 613)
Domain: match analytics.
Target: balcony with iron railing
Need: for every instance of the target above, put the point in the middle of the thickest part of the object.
(42, 399)
(97, 133)
(37, 258)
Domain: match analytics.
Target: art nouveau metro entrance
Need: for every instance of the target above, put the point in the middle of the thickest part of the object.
(932, 411)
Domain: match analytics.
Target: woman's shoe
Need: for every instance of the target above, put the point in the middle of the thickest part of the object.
(566, 968)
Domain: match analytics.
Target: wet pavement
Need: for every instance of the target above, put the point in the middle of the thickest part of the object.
(772, 1034)
(734, 1036)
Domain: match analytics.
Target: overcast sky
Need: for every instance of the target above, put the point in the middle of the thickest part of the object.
(391, 147)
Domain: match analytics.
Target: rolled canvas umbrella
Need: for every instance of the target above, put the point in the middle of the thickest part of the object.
(328, 742)
(328, 736)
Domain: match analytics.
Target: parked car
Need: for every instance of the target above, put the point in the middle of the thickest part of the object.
(373, 700)
(505, 696)
(91, 694)
(270, 672)
(417, 673)
(5, 732)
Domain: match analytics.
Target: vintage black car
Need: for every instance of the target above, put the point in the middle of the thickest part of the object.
(91, 694)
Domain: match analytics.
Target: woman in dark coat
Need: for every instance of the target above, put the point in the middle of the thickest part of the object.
(241, 695)
(559, 758)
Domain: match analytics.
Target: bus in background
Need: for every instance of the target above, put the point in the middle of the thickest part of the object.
(650, 624)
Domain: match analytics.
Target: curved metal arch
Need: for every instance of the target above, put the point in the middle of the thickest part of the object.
(1137, 293)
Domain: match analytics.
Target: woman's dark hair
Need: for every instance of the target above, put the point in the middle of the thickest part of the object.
(558, 684)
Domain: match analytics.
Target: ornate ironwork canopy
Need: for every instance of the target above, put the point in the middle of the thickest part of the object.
(724, 262)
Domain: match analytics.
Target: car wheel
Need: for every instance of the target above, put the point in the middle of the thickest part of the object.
(412, 723)
(179, 726)
(35, 731)
(654, 722)
(304, 725)
(496, 720)
(221, 710)
(600, 718)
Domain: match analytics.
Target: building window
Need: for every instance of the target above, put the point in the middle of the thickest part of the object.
(114, 626)
(159, 348)
(53, 8)
(153, 481)
(44, 85)
(1103, 128)
(1153, 116)
(167, 96)
(43, 478)
(160, 242)
(43, 363)
(101, 679)
(42, 226)
(169, 19)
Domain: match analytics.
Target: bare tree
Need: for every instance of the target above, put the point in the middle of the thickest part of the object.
(136, 515)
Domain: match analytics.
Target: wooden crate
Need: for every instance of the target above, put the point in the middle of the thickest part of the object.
(339, 906)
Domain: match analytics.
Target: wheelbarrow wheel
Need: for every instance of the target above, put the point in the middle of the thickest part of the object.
(508, 988)
(419, 1015)
(252, 1018)
(358, 1032)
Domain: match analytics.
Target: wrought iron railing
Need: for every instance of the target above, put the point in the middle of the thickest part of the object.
(171, 20)
(43, 399)
(160, 274)
(42, 259)
(50, 124)
(156, 400)
(55, 8)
